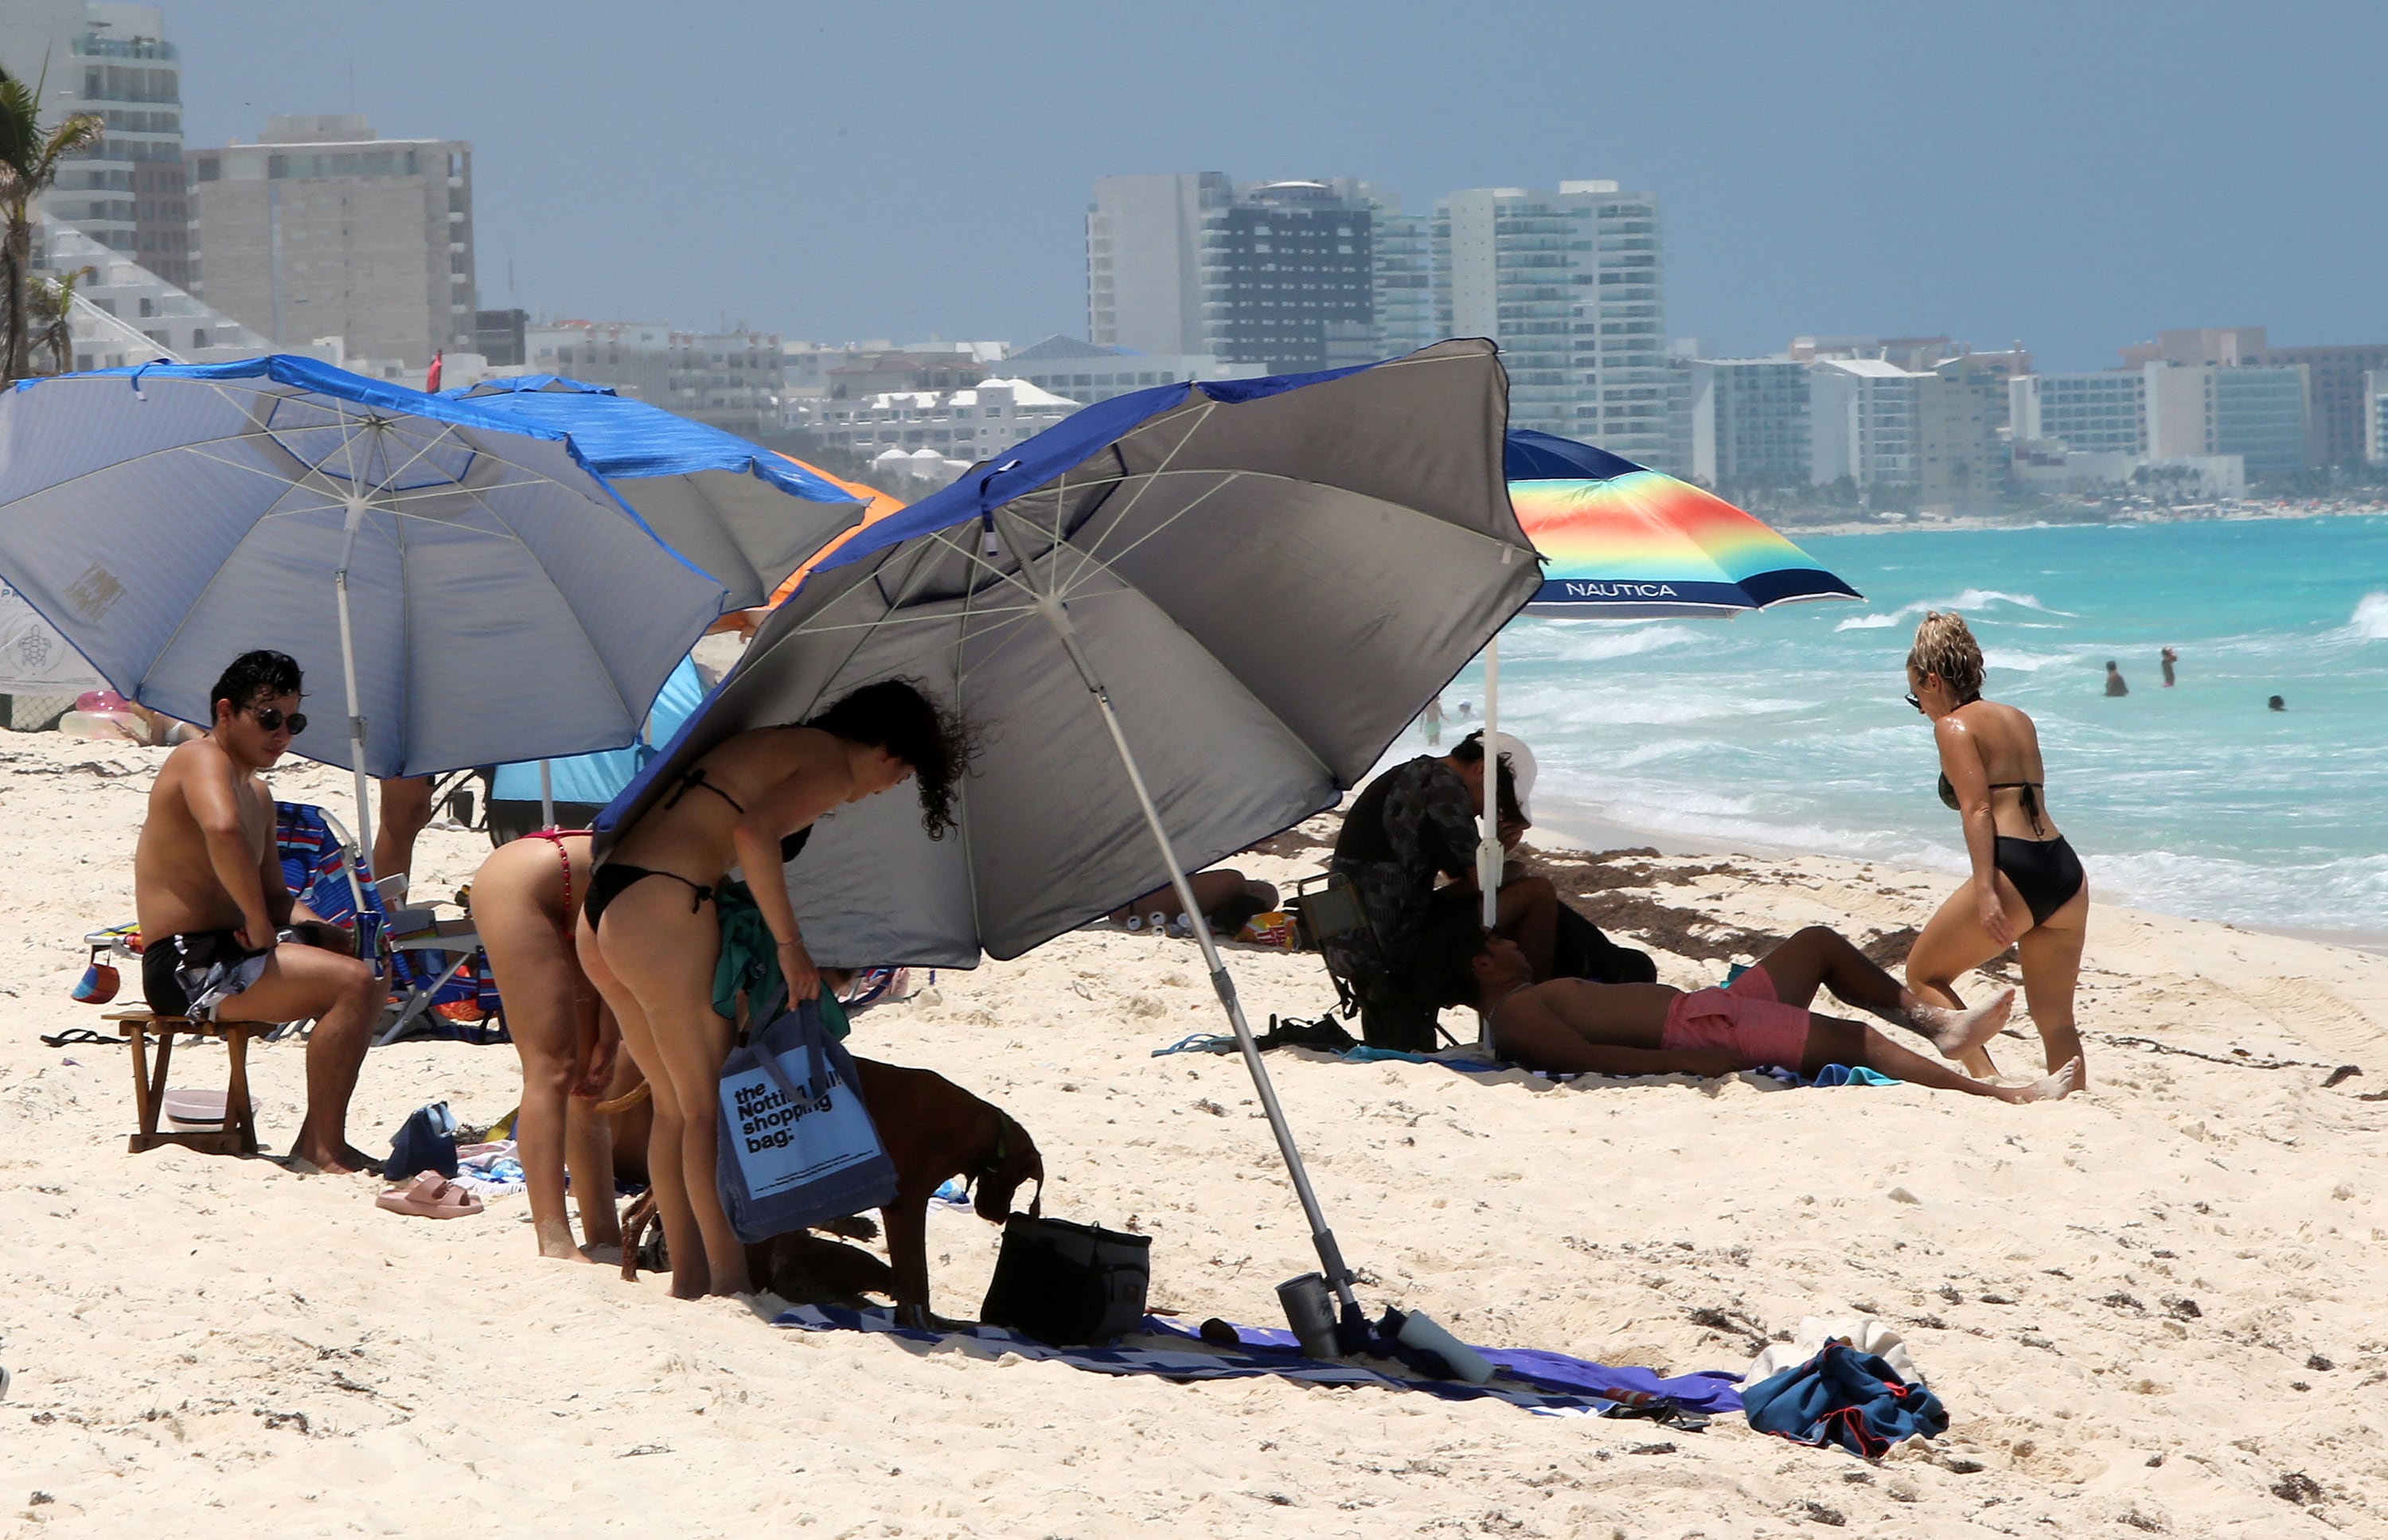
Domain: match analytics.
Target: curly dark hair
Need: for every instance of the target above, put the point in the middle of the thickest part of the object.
(898, 715)
(254, 676)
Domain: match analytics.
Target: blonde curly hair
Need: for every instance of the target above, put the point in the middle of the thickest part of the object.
(1944, 646)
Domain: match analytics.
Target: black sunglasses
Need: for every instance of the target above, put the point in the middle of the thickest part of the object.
(270, 719)
(1913, 701)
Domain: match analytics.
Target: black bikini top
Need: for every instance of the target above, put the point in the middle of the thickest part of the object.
(2029, 800)
(791, 845)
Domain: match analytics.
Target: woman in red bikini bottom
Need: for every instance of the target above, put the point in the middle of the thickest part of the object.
(1570, 1025)
(526, 901)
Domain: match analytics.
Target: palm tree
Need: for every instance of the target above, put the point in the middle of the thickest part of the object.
(51, 301)
(30, 156)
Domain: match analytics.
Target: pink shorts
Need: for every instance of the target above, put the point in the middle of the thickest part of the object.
(1745, 1019)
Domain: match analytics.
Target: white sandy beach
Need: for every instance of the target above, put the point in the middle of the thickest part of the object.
(2153, 1308)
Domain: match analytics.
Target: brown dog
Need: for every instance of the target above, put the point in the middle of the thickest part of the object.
(934, 1131)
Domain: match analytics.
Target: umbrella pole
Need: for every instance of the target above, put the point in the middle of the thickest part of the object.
(1330, 1257)
(546, 796)
(1490, 857)
(356, 723)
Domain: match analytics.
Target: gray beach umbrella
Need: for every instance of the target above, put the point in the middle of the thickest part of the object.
(459, 588)
(1180, 619)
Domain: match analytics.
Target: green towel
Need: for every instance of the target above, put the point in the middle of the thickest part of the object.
(750, 960)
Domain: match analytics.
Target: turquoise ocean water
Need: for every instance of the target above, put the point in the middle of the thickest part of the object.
(1787, 728)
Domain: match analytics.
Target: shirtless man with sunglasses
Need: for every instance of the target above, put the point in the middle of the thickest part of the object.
(223, 940)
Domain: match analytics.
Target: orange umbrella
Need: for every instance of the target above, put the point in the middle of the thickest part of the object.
(877, 505)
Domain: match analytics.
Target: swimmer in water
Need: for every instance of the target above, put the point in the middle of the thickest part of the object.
(2170, 658)
(2114, 685)
(2276, 703)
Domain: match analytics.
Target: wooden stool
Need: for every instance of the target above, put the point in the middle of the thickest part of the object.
(238, 1136)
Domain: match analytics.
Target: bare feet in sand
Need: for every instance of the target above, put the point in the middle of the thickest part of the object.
(2047, 1088)
(1958, 1033)
(347, 1161)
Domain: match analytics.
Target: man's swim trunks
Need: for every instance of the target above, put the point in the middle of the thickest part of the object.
(1745, 1019)
(190, 974)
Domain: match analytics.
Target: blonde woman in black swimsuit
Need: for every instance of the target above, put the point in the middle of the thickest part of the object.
(650, 937)
(2027, 889)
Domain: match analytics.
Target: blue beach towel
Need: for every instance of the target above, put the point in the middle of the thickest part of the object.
(1846, 1398)
(1710, 1391)
(1196, 1360)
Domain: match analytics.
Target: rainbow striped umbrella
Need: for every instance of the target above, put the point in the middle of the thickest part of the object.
(1622, 541)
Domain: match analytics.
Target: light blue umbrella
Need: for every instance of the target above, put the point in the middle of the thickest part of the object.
(745, 515)
(461, 588)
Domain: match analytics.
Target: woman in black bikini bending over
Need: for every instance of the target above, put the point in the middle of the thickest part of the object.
(2027, 889)
(650, 938)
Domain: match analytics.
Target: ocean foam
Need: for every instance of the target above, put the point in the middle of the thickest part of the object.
(2369, 621)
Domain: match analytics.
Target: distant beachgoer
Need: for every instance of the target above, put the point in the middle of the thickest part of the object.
(1432, 717)
(2170, 658)
(2027, 889)
(527, 899)
(649, 934)
(1467, 711)
(1569, 1025)
(2276, 703)
(2114, 685)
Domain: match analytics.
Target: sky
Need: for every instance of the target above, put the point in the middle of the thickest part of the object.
(2072, 175)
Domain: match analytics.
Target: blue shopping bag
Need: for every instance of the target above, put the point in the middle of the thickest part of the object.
(796, 1144)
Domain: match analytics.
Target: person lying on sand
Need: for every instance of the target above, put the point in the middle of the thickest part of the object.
(1569, 1024)
(1228, 898)
(527, 899)
(217, 921)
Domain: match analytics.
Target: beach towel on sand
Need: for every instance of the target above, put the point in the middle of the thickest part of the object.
(1844, 1397)
(1171, 1351)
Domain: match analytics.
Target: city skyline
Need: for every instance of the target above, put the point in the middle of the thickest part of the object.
(2040, 174)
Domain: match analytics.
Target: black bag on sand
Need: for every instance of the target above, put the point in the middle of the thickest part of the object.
(1580, 950)
(1065, 1283)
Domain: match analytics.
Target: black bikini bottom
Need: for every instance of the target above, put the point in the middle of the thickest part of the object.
(2045, 872)
(606, 883)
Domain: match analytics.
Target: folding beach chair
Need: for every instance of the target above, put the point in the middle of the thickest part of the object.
(436, 970)
(1392, 1015)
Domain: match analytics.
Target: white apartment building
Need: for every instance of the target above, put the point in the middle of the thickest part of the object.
(126, 313)
(1751, 422)
(2095, 413)
(2375, 416)
(960, 425)
(731, 379)
(320, 229)
(1572, 284)
(1086, 373)
(1145, 259)
(1864, 423)
(2257, 411)
(128, 191)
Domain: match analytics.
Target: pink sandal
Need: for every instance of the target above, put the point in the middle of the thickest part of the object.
(430, 1196)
